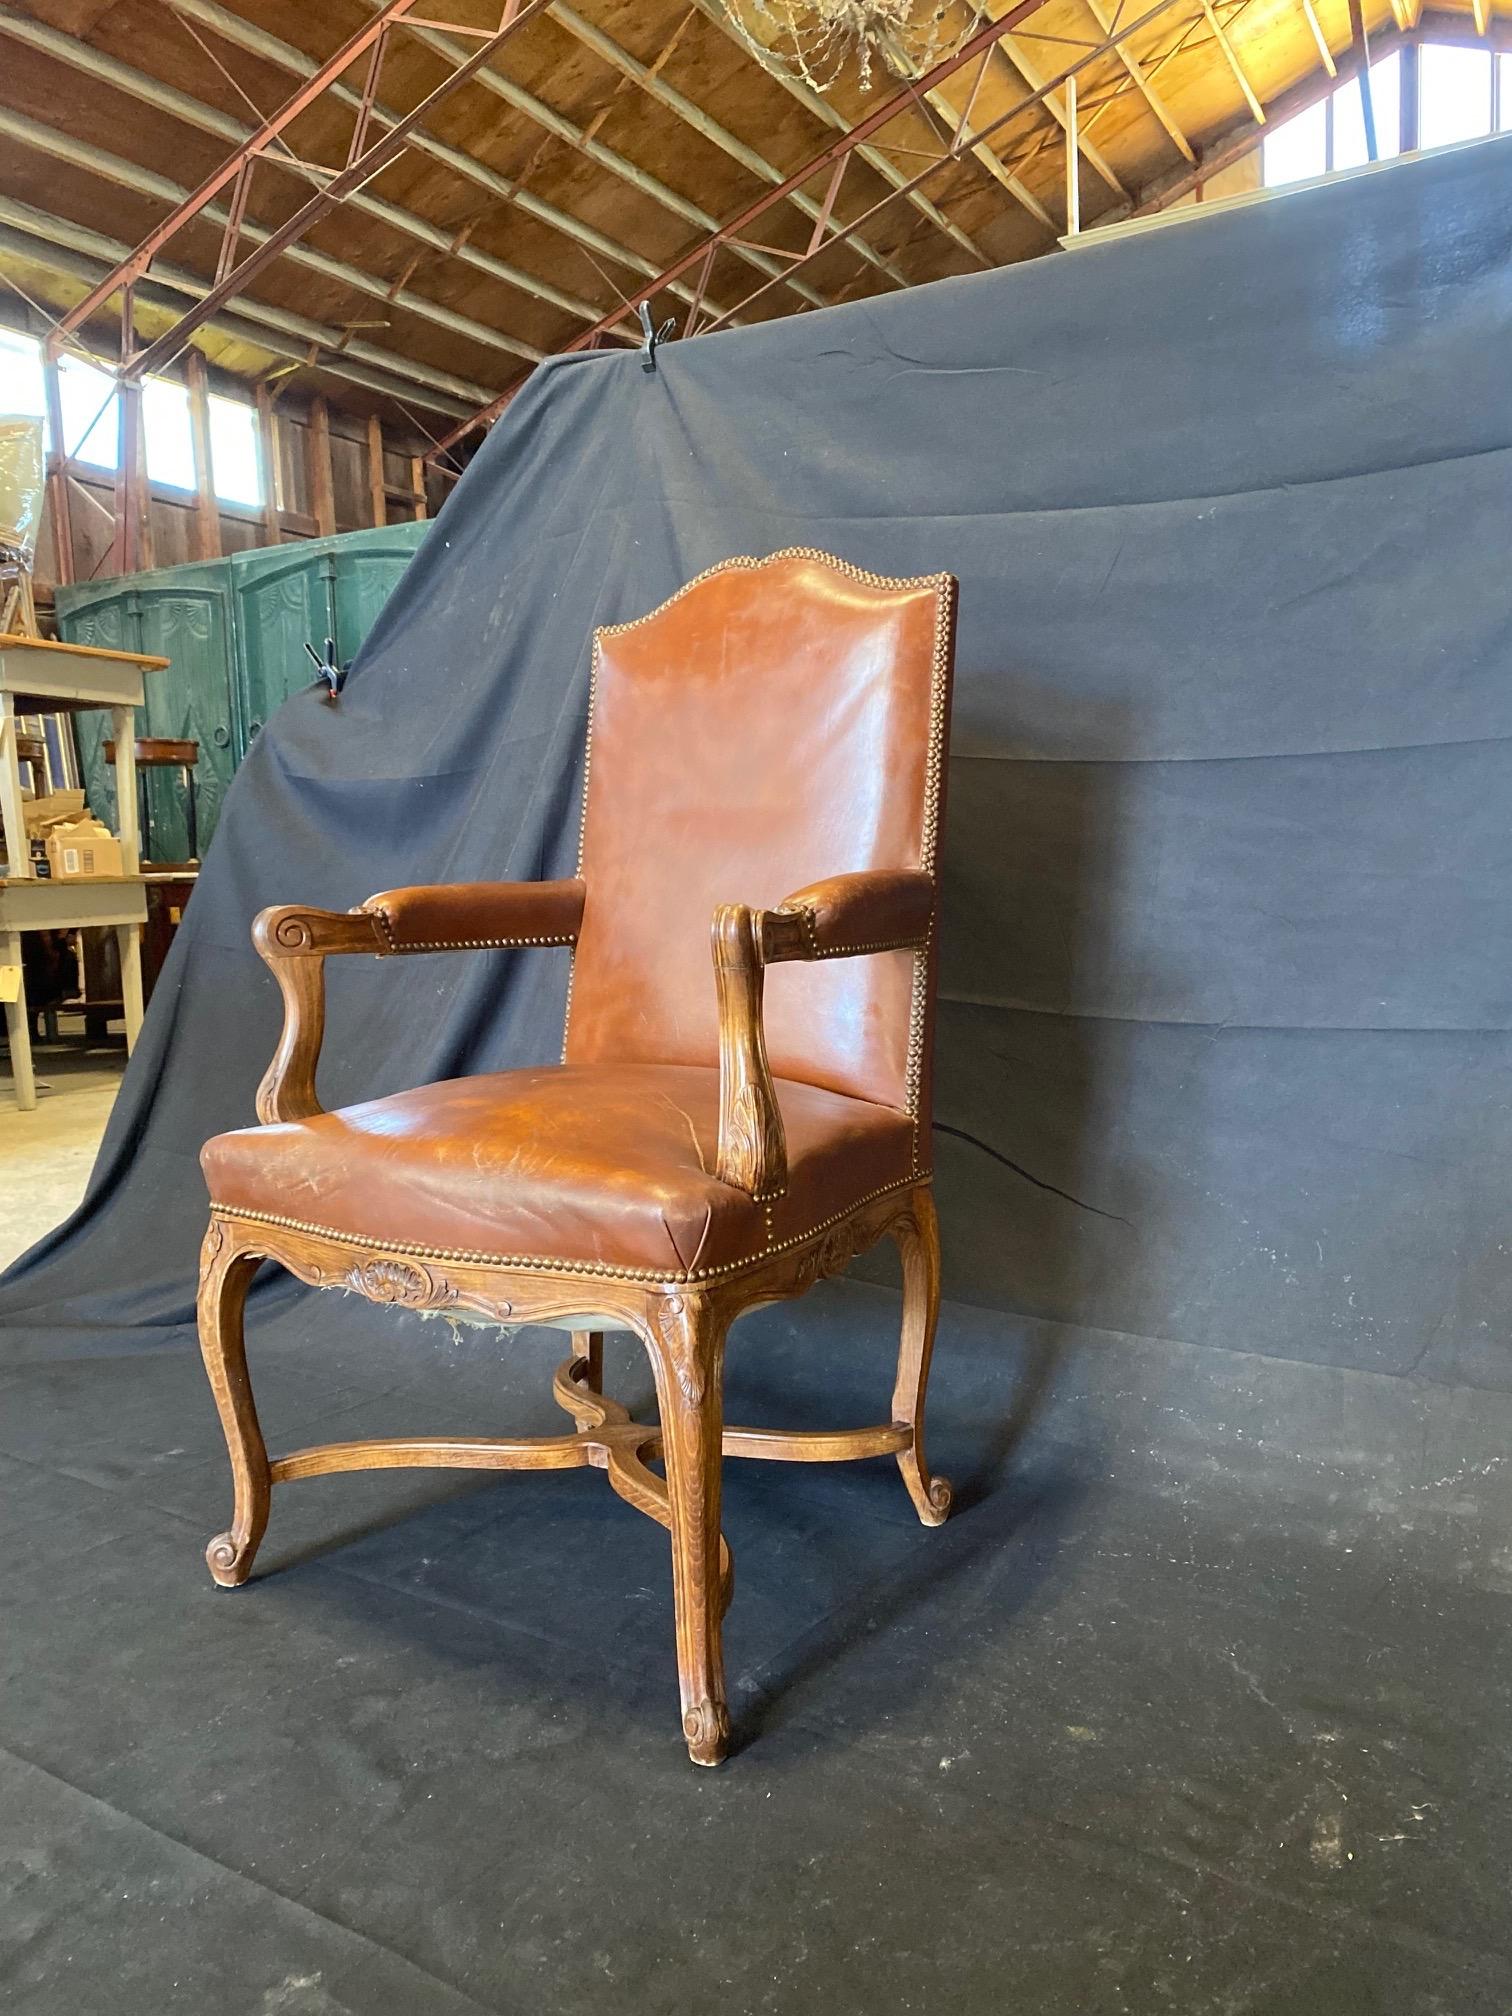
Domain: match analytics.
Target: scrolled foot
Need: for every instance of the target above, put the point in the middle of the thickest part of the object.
(230, 1560)
(707, 1728)
(932, 1496)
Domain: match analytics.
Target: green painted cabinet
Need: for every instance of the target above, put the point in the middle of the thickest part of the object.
(235, 631)
(183, 614)
(321, 588)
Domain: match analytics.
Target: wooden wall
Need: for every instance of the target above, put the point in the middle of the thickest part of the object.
(327, 481)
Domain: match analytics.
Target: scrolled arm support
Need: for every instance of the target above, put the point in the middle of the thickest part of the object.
(295, 943)
(842, 917)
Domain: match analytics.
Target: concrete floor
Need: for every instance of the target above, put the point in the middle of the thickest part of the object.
(46, 1155)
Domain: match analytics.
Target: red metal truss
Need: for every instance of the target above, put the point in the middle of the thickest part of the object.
(234, 164)
(363, 162)
(832, 156)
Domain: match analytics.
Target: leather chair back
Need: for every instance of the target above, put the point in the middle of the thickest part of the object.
(775, 722)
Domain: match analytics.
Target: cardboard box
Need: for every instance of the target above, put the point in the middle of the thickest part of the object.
(52, 808)
(83, 847)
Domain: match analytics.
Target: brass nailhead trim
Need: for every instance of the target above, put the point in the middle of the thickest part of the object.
(750, 560)
(593, 672)
(536, 1264)
(385, 924)
(809, 920)
(933, 767)
(882, 945)
(474, 944)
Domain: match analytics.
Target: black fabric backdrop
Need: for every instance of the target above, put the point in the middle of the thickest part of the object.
(1228, 953)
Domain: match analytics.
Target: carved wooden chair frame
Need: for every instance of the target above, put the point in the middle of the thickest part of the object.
(681, 1321)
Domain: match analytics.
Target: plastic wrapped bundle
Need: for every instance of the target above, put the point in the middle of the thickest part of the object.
(20, 485)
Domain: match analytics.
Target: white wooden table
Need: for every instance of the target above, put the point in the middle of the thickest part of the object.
(37, 677)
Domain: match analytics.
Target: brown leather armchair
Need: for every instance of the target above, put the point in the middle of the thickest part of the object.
(712, 1140)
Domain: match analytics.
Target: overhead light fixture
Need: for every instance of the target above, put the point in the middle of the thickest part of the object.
(815, 41)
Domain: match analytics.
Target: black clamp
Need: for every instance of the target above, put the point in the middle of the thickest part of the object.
(652, 335)
(329, 671)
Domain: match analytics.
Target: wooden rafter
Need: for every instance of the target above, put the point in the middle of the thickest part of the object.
(179, 105)
(124, 174)
(1143, 84)
(956, 123)
(1221, 36)
(592, 149)
(650, 79)
(876, 158)
(1013, 48)
(255, 41)
(1325, 54)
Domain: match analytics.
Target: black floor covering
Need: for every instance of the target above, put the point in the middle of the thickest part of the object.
(1199, 1703)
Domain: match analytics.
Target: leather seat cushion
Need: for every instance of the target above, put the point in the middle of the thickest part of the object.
(599, 1166)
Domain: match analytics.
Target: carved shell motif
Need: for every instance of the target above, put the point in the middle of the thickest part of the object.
(403, 1281)
(833, 1254)
(676, 1336)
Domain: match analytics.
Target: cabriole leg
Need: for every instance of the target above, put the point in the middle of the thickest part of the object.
(687, 1334)
(225, 1277)
(918, 1241)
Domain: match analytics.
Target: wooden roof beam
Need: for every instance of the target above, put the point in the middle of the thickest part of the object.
(1325, 54)
(1436, 25)
(865, 129)
(1013, 49)
(78, 253)
(579, 138)
(650, 80)
(371, 36)
(1142, 83)
(874, 157)
(282, 55)
(157, 188)
(107, 70)
(956, 127)
(1221, 35)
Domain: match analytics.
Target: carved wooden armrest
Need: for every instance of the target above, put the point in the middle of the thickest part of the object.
(882, 910)
(464, 916)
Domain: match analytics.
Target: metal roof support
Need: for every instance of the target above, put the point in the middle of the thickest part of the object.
(958, 122)
(575, 136)
(359, 170)
(1147, 90)
(812, 101)
(258, 42)
(650, 80)
(143, 182)
(847, 142)
(82, 254)
(240, 157)
(118, 76)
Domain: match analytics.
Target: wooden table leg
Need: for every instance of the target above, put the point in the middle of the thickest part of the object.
(129, 940)
(123, 725)
(18, 1027)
